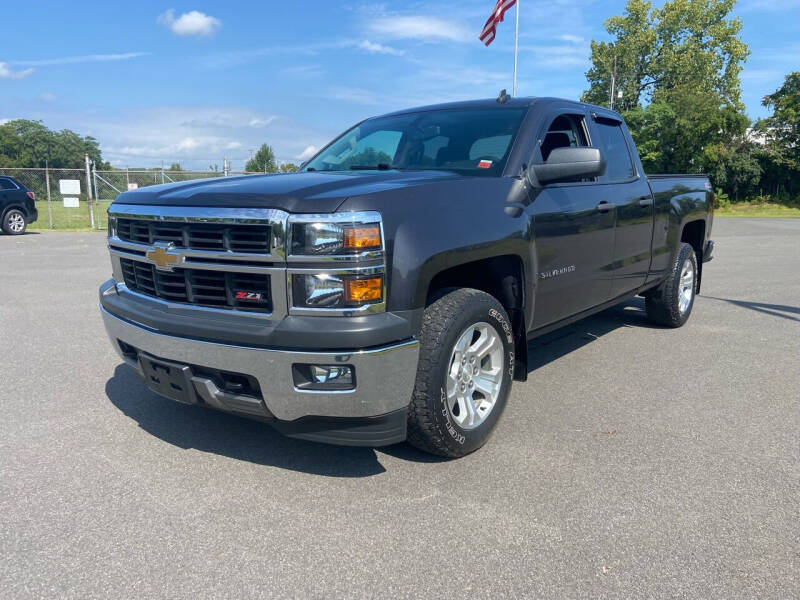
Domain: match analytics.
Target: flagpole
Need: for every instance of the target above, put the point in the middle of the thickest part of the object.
(516, 50)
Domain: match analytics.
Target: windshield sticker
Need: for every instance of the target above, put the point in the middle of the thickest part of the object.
(484, 164)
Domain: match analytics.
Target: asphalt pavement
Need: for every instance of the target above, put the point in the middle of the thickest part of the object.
(636, 462)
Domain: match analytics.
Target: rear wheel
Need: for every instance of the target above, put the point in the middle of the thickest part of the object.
(14, 222)
(464, 374)
(670, 304)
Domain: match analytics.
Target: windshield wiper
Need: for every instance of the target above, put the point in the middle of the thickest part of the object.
(378, 167)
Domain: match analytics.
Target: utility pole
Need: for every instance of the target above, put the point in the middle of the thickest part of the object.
(613, 81)
(89, 190)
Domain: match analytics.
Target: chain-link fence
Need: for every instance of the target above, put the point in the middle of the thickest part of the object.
(86, 208)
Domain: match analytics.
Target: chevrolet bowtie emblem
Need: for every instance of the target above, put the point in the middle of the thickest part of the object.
(161, 256)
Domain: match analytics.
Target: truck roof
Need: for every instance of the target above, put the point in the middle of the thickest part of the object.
(493, 103)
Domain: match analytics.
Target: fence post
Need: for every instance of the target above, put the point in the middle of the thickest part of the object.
(89, 191)
(47, 185)
(96, 196)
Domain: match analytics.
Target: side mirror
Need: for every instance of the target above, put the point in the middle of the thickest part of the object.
(566, 164)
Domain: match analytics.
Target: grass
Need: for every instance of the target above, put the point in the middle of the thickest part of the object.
(69, 219)
(744, 209)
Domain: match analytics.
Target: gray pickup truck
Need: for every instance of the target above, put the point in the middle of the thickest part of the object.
(387, 291)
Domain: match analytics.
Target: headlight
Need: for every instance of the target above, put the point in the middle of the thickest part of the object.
(336, 263)
(327, 290)
(345, 235)
(112, 226)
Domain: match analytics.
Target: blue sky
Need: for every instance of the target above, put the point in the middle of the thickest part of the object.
(195, 81)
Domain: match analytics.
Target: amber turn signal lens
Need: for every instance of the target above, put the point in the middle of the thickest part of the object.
(360, 291)
(362, 237)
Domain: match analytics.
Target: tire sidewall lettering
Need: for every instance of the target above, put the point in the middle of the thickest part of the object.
(448, 422)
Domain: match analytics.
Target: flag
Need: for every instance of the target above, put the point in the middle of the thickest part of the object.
(490, 29)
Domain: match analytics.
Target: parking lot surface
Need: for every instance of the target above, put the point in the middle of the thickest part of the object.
(636, 462)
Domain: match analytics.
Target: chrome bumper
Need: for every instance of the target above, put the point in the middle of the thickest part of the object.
(384, 376)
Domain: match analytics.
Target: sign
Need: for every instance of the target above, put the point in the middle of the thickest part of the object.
(133, 186)
(69, 187)
(71, 202)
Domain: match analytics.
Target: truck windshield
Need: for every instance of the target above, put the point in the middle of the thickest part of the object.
(468, 141)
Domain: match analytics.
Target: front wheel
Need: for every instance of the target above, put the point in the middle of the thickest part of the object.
(14, 222)
(464, 375)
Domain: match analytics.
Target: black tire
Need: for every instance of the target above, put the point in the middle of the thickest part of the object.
(430, 425)
(11, 222)
(663, 304)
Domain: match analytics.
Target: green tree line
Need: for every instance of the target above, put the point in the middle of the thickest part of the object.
(676, 77)
(30, 144)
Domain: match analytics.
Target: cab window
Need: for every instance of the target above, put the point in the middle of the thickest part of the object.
(619, 166)
(565, 131)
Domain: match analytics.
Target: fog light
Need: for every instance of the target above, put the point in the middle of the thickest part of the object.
(323, 377)
(332, 374)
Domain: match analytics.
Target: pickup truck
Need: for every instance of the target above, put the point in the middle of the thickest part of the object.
(388, 290)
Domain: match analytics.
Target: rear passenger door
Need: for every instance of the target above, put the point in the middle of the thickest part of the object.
(627, 188)
(7, 188)
(573, 231)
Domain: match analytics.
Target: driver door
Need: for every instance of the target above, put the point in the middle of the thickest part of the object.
(573, 225)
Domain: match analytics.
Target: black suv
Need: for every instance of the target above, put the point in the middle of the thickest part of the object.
(17, 206)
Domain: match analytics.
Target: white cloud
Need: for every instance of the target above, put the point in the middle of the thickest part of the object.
(422, 28)
(187, 143)
(352, 95)
(261, 122)
(233, 145)
(568, 37)
(7, 73)
(374, 48)
(64, 60)
(557, 56)
(47, 97)
(307, 153)
(191, 23)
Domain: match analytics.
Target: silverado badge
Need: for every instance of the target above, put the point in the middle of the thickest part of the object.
(161, 256)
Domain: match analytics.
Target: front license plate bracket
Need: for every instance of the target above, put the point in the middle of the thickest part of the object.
(168, 379)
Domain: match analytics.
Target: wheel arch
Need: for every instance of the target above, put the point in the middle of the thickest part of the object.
(504, 278)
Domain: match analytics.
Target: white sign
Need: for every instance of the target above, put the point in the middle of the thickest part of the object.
(133, 186)
(69, 187)
(71, 203)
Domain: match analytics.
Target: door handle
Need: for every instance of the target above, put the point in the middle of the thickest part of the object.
(604, 206)
(645, 201)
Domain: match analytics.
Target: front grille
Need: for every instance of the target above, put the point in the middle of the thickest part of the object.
(200, 287)
(249, 239)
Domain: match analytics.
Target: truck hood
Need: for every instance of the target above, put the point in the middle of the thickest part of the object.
(321, 192)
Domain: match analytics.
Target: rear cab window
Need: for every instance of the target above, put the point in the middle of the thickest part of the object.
(612, 143)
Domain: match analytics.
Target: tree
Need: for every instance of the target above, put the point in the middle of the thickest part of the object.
(289, 168)
(780, 158)
(263, 161)
(175, 167)
(25, 143)
(677, 68)
(685, 41)
(734, 167)
(782, 130)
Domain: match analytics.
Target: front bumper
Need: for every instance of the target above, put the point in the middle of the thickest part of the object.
(384, 383)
